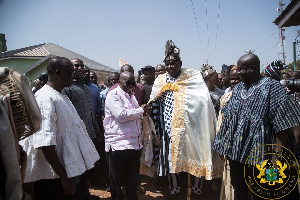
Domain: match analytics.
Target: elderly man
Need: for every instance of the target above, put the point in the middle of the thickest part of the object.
(61, 150)
(123, 137)
(259, 112)
(188, 121)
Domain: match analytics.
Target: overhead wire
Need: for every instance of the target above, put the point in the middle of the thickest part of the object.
(265, 41)
(277, 42)
(198, 30)
(217, 31)
(207, 30)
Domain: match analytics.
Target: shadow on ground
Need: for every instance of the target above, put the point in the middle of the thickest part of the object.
(150, 186)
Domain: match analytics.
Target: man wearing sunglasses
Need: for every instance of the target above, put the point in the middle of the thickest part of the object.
(188, 120)
(123, 137)
(139, 91)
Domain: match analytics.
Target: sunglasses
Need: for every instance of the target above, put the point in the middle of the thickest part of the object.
(132, 83)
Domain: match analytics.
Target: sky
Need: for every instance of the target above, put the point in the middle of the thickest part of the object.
(206, 31)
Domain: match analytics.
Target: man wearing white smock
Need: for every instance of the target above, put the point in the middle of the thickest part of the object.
(61, 150)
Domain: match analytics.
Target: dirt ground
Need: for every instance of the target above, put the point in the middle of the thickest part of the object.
(149, 184)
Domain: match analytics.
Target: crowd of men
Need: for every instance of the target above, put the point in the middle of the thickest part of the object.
(205, 124)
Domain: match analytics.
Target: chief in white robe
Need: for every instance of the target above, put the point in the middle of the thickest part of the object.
(193, 125)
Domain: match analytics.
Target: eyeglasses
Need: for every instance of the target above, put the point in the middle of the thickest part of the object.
(130, 83)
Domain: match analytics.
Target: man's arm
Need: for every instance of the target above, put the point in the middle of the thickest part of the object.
(51, 156)
(281, 140)
(115, 105)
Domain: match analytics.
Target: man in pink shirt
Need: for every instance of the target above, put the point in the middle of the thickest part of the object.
(123, 137)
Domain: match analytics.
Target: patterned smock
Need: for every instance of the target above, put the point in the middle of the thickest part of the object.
(253, 117)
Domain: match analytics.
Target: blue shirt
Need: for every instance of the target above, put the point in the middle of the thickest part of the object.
(95, 93)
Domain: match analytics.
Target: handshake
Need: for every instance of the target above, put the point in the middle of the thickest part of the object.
(147, 108)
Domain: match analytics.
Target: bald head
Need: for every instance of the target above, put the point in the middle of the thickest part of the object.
(127, 82)
(248, 68)
(60, 71)
(126, 75)
(57, 63)
(250, 59)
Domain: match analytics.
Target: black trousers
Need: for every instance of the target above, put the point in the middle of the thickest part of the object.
(124, 168)
(48, 190)
(238, 181)
(51, 189)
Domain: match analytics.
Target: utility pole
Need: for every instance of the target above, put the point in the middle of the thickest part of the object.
(297, 41)
(281, 51)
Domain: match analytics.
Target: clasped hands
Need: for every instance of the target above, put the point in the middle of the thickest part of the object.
(147, 108)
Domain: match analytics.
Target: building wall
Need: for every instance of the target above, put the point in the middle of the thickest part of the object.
(35, 73)
(21, 64)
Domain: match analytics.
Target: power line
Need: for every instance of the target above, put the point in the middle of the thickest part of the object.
(265, 41)
(218, 19)
(277, 42)
(207, 30)
(197, 28)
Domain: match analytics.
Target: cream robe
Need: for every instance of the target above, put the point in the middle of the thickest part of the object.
(193, 125)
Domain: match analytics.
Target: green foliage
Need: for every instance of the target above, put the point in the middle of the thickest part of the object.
(291, 66)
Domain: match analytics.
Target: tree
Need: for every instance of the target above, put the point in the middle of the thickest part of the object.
(291, 66)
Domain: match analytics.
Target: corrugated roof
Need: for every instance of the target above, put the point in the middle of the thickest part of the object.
(38, 51)
(13, 53)
(47, 49)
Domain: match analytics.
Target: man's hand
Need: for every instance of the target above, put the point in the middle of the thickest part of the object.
(51, 156)
(222, 156)
(69, 186)
(23, 161)
(146, 108)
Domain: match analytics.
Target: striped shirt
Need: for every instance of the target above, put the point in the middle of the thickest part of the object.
(253, 117)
